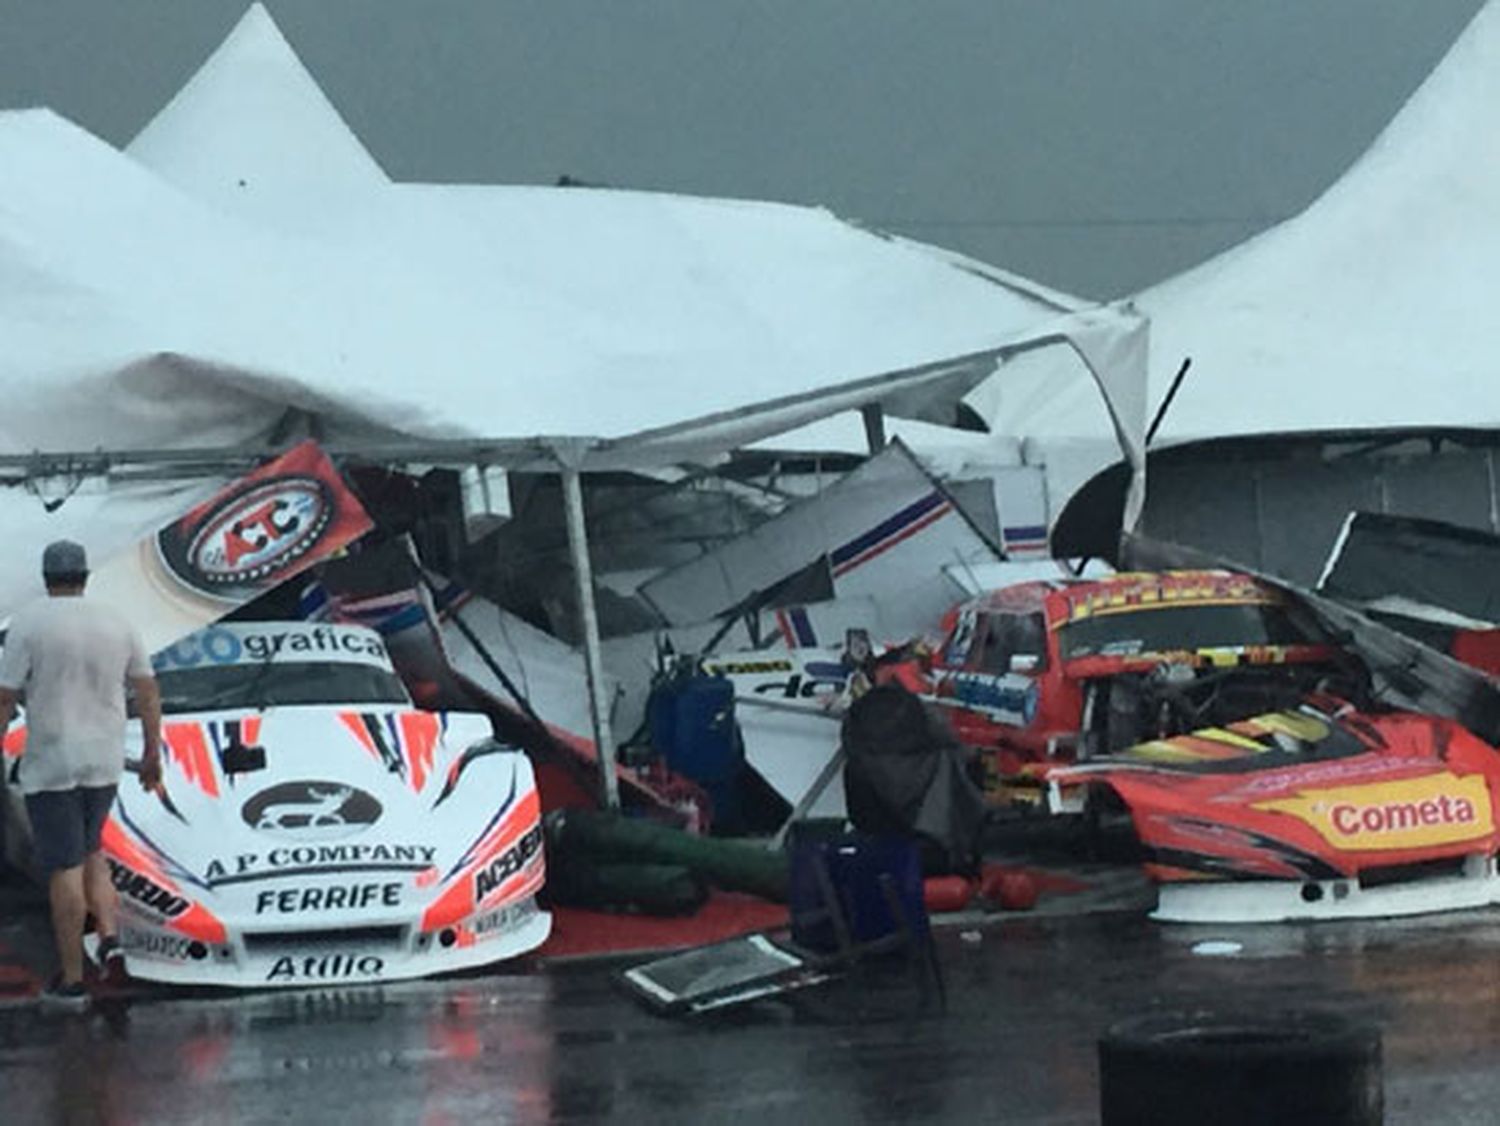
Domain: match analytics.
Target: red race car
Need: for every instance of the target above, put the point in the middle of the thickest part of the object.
(1056, 671)
(1316, 812)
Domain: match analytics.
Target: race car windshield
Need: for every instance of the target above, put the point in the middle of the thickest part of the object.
(278, 684)
(1168, 629)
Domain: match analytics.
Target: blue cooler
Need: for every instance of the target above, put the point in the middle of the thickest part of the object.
(693, 729)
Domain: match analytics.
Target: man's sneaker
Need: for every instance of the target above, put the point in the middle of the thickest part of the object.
(111, 958)
(65, 995)
(109, 952)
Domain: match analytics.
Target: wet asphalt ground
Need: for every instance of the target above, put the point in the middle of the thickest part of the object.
(1028, 997)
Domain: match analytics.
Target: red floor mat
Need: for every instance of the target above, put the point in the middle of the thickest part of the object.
(577, 933)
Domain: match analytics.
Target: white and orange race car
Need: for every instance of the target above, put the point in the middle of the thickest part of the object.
(313, 827)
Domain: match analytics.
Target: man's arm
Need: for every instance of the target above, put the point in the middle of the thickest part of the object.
(148, 707)
(15, 667)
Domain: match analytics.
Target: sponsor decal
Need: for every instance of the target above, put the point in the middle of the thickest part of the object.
(1008, 697)
(1273, 781)
(220, 645)
(494, 924)
(1435, 809)
(1126, 593)
(333, 897)
(326, 967)
(747, 668)
(154, 944)
(507, 864)
(144, 892)
(311, 810)
(263, 528)
(808, 678)
(252, 864)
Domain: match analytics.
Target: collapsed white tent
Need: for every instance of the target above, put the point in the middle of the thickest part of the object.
(1370, 310)
(886, 528)
(188, 295)
(137, 315)
(248, 260)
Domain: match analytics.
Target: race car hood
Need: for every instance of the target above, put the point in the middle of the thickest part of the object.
(1302, 795)
(356, 818)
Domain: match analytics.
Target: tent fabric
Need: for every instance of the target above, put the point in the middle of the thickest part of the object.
(136, 316)
(106, 517)
(1370, 310)
(150, 301)
(252, 132)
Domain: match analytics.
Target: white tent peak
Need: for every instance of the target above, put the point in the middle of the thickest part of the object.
(253, 132)
(1372, 310)
(1428, 166)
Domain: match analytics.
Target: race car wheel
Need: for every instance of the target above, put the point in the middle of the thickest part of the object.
(1229, 1069)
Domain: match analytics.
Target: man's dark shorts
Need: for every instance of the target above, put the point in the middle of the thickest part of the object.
(65, 824)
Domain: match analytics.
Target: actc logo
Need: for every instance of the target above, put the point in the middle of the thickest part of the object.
(251, 536)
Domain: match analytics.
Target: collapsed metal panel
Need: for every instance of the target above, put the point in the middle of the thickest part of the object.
(1426, 563)
(885, 529)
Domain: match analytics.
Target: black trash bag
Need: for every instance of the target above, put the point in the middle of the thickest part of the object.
(905, 775)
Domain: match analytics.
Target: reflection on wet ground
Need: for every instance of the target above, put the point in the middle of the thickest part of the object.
(1027, 1001)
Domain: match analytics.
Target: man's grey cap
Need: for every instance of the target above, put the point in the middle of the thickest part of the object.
(64, 557)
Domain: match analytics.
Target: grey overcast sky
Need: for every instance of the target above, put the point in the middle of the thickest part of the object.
(1094, 145)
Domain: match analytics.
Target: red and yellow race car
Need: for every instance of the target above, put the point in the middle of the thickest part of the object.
(1057, 671)
(1260, 773)
(1320, 811)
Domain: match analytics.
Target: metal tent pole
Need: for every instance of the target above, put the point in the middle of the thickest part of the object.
(874, 417)
(583, 582)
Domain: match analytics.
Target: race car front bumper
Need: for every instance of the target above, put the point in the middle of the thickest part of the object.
(394, 950)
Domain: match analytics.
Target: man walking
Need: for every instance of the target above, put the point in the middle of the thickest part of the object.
(72, 658)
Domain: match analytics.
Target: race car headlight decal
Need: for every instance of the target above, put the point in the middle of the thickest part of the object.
(477, 751)
(502, 817)
(145, 887)
(512, 864)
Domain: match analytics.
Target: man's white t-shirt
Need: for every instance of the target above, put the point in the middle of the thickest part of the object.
(71, 657)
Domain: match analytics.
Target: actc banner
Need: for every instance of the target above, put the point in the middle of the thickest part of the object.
(249, 537)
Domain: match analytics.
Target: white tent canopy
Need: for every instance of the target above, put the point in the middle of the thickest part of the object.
(1372, 309)
(248, 257)
(137, 316)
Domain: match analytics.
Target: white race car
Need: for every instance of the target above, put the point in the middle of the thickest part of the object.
(313, 827)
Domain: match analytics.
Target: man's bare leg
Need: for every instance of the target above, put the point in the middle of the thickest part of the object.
(69, 906)
(99, 892)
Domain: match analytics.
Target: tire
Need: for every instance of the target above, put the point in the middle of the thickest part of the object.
(1235, 1069)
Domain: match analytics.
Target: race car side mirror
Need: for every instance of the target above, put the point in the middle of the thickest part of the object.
(1024, 662)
